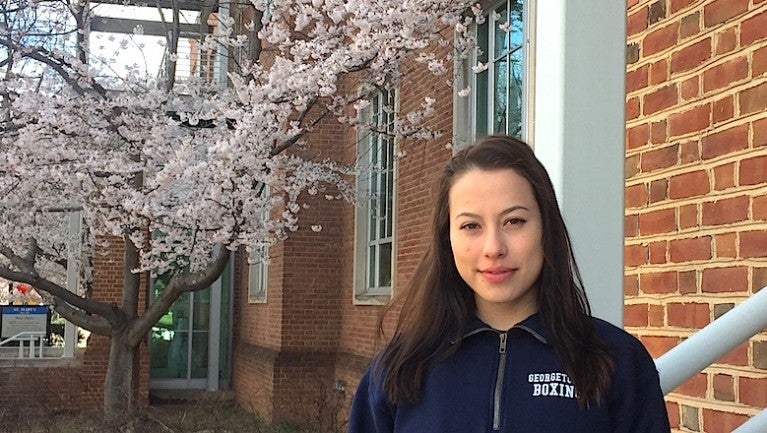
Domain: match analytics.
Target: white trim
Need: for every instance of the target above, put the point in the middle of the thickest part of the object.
(579, 134)
(362, 294)
(73, 278)
(190, 336)
(528, 63)
(222, 51)
(214, 330)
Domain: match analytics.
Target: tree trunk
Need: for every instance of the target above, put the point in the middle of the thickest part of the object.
(121, 382)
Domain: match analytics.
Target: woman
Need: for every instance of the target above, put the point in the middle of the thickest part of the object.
(495, 333)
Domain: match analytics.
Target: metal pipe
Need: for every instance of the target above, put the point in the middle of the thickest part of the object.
(757, 424)
(710, 343)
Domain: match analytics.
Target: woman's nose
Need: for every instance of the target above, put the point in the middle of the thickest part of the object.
(494, 244)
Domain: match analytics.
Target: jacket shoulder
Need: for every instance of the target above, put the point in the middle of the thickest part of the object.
(615, 336)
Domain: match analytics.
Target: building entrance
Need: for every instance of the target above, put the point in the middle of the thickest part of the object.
(190, 346)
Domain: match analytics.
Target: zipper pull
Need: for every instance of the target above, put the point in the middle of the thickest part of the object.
(502, 347)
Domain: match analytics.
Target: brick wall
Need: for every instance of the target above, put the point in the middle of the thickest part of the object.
(696, 191)
(74, 384)
(285, 348)
(34, 386)
(309, 343)
(415, 181)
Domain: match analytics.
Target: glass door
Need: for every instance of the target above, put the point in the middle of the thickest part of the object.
(189, 344)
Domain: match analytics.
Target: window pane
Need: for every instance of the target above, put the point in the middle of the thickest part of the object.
(384, 201)
(374, 150)
(389, 203)
(169, 353)
(515, 95)
(379, 169)
(501, 36)
(482, 44)
(384, 266)
(501, 93)
(498, 90)
(372, 266)
(372, 220)
(201, 305)
(254, 281)
(516, 34)
(374, 205)
(199, 355)
(375, 117)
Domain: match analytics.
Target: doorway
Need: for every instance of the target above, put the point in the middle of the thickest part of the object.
(190, 346)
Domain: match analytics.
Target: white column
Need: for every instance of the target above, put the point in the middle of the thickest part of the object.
(222, 51)
(214, 333)
(73, 249)
(578, 134)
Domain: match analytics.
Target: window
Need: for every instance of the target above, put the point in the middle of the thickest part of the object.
(498, 74)
(257, 276)
(374, 247)
(258, 265)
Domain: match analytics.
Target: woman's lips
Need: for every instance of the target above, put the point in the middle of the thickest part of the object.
(496, 275)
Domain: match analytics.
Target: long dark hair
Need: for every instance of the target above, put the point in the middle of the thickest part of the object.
(438, 303)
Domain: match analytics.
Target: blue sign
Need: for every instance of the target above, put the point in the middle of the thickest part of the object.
(23, 318)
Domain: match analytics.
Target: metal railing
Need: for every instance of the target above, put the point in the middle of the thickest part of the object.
(712, 342)
(30, 337)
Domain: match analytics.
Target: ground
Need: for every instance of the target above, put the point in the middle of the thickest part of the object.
(176, 417)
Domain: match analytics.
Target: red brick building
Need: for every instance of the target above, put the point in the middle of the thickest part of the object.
(294, 335)
(696, 197)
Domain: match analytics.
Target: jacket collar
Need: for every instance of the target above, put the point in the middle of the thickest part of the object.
(533, 325)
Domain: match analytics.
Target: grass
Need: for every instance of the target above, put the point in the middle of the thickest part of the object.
(191, 417)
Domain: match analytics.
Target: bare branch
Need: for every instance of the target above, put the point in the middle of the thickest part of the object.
(31, 277)
(81, 319)
(13, 258)
(57, 64)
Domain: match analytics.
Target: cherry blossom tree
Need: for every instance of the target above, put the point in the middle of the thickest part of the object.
(176, 170)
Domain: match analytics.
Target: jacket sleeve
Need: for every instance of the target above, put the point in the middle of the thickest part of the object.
(639, 406)
(370, 411)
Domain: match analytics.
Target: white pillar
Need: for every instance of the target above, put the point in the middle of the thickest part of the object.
(214, 333)
(578, 134)
(222, 51)
(73, 249)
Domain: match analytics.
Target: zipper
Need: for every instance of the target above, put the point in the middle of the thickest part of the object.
(499, 382)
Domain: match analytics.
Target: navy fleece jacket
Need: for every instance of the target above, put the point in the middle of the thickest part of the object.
(513, 382)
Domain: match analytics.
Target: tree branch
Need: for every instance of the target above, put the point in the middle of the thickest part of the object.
(81, 319)
(29, 275)
(56, 66)
(178, 284)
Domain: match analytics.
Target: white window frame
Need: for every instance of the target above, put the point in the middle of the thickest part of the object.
(365, 294)
(258, 275)
(465, 107)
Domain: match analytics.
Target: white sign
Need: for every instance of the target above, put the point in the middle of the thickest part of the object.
(23, 318)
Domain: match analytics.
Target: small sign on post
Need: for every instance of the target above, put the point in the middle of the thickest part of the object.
(16, 319)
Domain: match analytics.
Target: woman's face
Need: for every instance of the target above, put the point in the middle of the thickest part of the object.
(496, 240)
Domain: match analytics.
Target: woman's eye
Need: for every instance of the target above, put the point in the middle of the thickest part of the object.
(515, 221)
(470, 226)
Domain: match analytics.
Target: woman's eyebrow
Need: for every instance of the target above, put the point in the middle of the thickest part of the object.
(503, 212)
